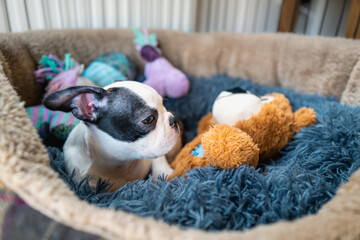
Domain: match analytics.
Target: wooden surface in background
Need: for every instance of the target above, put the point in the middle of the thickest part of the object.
(288, 15)
(352, 27)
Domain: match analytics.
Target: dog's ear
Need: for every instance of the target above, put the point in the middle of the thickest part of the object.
(83, 101)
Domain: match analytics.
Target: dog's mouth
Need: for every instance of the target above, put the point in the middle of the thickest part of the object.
(178, 126)
(180, 129)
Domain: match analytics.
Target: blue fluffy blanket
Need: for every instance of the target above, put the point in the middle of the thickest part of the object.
(304, 176)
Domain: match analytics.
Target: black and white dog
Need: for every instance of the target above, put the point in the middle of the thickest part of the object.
(125, 131)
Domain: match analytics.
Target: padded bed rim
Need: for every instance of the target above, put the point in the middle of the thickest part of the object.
(25, 169)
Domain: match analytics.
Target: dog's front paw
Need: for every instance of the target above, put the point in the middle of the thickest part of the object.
(160, 167)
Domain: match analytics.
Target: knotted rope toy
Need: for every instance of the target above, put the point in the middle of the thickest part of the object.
(58, 74)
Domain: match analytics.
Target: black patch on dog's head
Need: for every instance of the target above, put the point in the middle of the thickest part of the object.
(123, 119)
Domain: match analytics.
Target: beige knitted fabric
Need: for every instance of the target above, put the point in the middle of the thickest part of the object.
(311, 64)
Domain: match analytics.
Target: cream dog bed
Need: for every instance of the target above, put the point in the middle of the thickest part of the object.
(306, 64)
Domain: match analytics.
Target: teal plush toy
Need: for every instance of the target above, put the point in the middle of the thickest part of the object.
(110, 67)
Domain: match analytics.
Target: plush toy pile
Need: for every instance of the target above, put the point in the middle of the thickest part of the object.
(57, 75)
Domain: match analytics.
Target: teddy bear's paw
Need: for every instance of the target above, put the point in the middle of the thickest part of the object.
(228, 147)
(304, 117)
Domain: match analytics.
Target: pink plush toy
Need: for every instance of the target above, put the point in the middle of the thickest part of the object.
(159, 72)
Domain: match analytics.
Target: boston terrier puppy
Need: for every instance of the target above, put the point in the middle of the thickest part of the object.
(125, 131)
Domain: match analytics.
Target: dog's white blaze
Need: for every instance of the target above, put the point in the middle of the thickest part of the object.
(147, 93)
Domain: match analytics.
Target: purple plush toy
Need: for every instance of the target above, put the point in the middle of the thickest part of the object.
(159, 72)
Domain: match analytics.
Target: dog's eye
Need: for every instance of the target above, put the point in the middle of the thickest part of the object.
(149, 119)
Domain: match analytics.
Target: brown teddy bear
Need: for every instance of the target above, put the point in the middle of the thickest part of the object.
(242, 129)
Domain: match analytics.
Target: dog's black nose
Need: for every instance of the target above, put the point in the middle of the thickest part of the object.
(172, 121)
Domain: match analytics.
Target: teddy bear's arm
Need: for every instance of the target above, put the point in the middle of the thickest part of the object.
(205, 123)
(185, 160)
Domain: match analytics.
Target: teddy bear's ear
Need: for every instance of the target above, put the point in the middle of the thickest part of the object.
(236, 90)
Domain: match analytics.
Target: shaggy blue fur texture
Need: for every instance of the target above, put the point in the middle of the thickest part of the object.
(304, 176)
